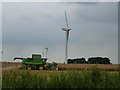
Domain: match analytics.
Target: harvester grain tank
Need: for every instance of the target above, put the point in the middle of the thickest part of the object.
(34, 63)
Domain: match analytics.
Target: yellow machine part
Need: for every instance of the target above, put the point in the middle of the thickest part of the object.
(41, 68)
(29, 68)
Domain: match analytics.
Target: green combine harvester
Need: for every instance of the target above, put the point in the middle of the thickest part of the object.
(34, 63)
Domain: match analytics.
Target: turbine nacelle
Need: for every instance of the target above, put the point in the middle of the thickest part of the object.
(66, 29)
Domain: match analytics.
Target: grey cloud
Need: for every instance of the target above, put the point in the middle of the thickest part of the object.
(83, 3)
(102, 12)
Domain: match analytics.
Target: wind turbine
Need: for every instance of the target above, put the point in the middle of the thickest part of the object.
(66, 29)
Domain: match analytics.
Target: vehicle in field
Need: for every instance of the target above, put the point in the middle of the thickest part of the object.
(34, 63)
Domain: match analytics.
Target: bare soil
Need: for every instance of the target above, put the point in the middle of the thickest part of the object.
(9, 65)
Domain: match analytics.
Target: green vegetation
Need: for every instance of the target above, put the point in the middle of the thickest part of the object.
(70, 79)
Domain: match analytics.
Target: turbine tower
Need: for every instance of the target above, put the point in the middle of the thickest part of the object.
(46, 52)
(66, 29)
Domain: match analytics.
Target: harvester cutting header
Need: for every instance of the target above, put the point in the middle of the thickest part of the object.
(34, 63)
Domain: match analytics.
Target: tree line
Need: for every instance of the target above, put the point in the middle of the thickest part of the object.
(92, 60)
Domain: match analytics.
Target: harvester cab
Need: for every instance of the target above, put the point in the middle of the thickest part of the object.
(34, 63)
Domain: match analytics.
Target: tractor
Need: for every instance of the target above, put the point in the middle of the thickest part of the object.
(34, 63)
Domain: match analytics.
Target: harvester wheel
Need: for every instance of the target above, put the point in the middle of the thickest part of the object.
(29, 68)
(26, 67)
(41, 68)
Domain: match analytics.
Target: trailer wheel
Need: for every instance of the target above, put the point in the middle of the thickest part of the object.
(32, 68)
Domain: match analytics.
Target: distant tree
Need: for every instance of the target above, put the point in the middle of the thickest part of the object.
(76, 61)
(80, 60)
(70, 61)
(99, 60)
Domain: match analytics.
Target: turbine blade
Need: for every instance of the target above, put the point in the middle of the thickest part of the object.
(66, 20)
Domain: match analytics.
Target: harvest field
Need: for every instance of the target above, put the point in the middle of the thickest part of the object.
(9, 65)
(108, 67)
(84, 78)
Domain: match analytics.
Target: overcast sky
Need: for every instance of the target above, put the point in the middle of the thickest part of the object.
(30, 27)
(59, 0)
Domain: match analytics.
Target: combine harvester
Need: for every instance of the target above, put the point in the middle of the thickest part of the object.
(34, 63)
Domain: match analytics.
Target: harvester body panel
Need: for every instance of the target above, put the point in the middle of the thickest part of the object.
(36, 62)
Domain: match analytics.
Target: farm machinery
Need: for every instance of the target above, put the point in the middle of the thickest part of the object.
(34, 63)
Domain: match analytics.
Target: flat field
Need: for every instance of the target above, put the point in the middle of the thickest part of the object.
(9, 65)
(108, 67)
